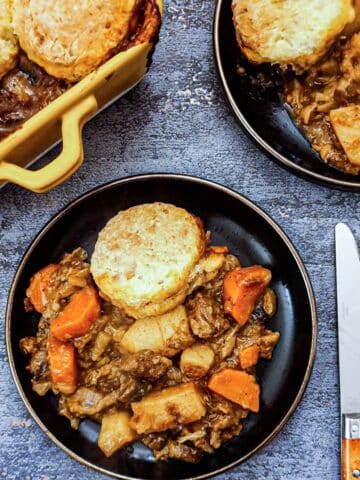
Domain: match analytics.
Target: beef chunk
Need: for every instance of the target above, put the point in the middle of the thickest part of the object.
(206, 316)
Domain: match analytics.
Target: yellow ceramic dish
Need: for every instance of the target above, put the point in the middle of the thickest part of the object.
(64, 119)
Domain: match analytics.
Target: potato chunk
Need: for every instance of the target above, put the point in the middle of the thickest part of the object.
(346, 124)
(167, 334)
(115, 432)
(196, 361)
(168, 408)
(208, 267)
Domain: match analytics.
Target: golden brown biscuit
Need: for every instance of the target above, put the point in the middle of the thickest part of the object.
(68, 38)
(289, 32)
(8, 42)
(204, 271)
(145, 257)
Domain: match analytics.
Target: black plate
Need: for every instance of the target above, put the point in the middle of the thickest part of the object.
(254, 238)
(262, 114)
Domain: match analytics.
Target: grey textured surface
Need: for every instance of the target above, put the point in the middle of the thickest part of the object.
(176, 120)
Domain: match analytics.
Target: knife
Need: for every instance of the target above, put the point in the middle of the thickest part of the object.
(348, 309)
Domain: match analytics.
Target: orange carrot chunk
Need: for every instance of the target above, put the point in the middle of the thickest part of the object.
(237, 386)
(78, 316)
(242, 288)
(38, 286)
(62, 365)
(249, 356)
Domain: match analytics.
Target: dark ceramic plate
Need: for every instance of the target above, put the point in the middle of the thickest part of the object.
(262, 114)
(254, 238)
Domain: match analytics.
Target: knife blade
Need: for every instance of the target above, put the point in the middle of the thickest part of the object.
(348, 309)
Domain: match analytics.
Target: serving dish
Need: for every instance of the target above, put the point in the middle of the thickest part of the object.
(64, 118)
(254, 238)
(260, 110)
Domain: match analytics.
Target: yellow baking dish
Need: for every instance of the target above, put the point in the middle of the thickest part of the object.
(64, 119)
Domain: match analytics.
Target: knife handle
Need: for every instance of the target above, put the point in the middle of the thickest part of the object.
(350, 447)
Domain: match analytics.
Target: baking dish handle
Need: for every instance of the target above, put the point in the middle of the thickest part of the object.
(66, 163)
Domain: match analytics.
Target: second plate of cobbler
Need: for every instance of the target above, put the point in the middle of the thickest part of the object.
(290, 71)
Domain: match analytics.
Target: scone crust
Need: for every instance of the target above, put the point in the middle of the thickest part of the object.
(68, 38)
(144, 256)
(8, 43)
(289, 32)
(204, 271)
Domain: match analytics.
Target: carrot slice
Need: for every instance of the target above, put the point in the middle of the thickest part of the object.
(62, 365)
(78, 316)
(237, 386)
(249, 356)
(38, 286)
(242, 288)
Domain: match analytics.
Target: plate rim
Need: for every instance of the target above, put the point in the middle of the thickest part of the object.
(169, 176)
(282, 160)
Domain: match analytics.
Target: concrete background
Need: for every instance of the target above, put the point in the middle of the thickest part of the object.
(177, 120)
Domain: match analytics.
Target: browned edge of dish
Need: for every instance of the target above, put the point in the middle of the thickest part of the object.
(303, 172)
(196, 180)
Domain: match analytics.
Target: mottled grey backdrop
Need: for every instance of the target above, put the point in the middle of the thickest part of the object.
(176, 120)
